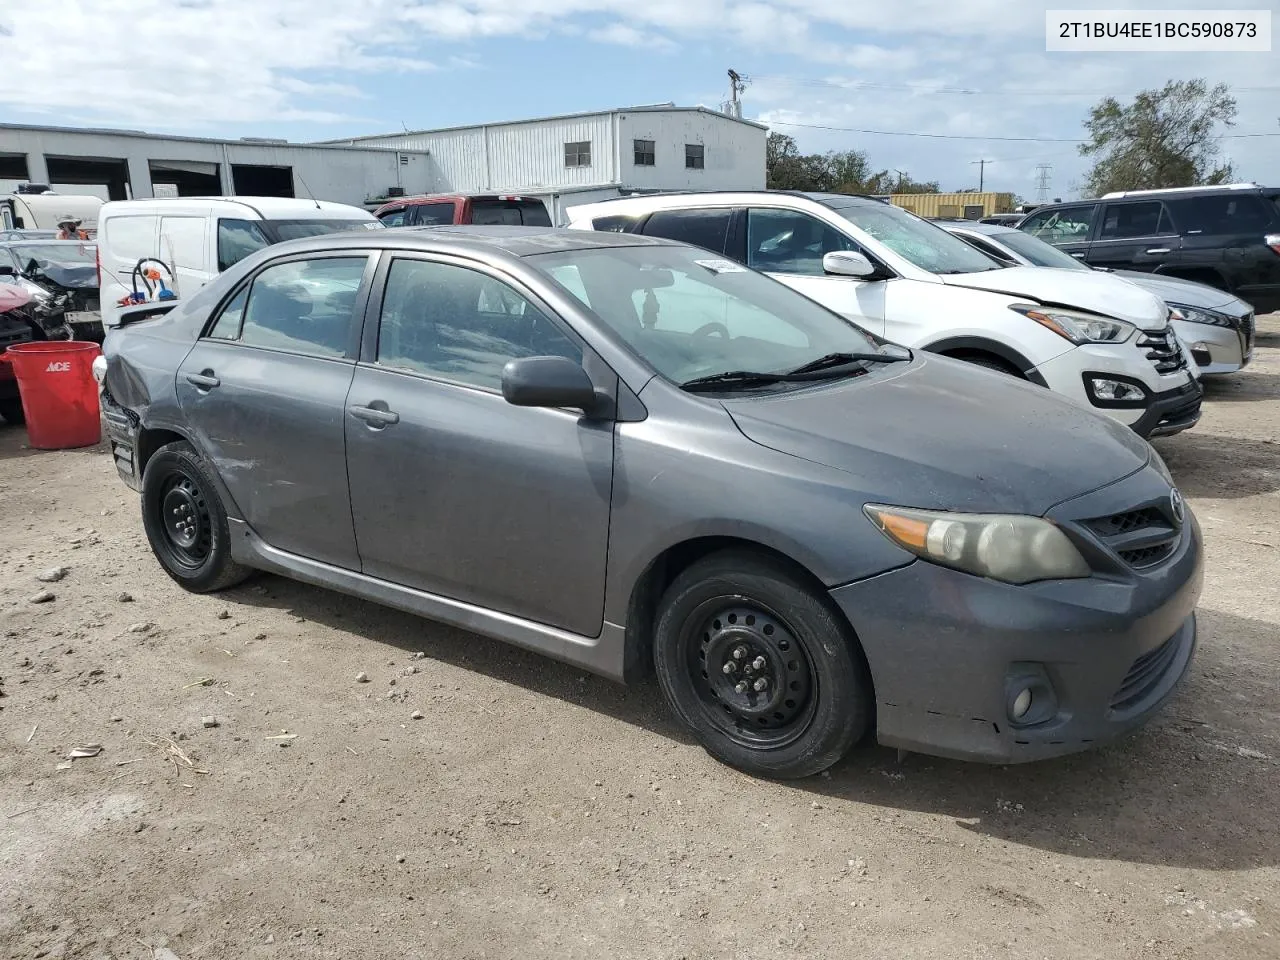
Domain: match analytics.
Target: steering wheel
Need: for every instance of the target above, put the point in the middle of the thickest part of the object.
(712, 328)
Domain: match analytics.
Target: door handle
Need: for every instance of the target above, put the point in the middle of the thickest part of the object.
(1158, 250)
(1078, 256)
(203, 381)
(374, 417)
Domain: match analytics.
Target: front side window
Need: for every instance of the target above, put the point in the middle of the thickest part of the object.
(1068, 225)
(645, 154)
(433, 214)
(1144, 219)
(688, 313)
(694, 156)
(304, 306)
(787, 241)
(458, 324)
(707, 228)
(238, 239)
(577, 153)
(917, 241)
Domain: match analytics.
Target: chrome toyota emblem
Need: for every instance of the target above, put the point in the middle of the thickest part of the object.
(1176, 505)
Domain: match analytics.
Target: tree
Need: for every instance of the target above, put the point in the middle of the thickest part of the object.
(1165, 138)
(842, 171)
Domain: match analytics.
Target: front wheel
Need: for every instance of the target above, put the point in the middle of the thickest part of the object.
(185, 521)
(764, 671)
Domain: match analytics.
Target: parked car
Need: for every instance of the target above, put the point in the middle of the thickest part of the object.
(16, 324)
(1217, 327)
(1091, 337)
(62, 278)
(196, 238)
(1002, 218)
(1226, 236)
(621, 451)
(436, 209)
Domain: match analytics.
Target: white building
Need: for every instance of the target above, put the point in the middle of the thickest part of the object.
(125, 164)
(576, 158)
(582, 157)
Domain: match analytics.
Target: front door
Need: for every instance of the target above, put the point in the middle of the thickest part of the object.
(265, 391)
(1134, 235)
(453, 490)
(789, 246)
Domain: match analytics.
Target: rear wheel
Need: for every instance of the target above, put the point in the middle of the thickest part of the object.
(764, 671)
(11, 411)
(185, 521)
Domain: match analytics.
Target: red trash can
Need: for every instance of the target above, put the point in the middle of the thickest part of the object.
(59, 394)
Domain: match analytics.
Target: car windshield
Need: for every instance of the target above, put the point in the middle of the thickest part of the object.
(1037, 252)
(922, 243)
(65, 252)
(691, 314)
(297, 229)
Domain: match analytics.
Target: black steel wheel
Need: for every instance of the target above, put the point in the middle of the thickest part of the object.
(761, 666)
(185, 521)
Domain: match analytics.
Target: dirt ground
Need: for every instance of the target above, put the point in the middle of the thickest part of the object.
(536, 811)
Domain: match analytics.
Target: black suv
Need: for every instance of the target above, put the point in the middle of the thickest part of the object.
(1227, 237)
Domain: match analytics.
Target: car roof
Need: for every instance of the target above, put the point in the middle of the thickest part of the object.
(514, 241)
(438, 197)
(265, 207)
(677, 199)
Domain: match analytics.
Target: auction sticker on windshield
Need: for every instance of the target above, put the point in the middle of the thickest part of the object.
(721, 266)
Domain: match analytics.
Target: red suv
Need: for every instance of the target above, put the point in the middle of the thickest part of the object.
(435, 210)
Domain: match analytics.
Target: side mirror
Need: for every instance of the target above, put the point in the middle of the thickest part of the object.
(548, 382)
(847, 263)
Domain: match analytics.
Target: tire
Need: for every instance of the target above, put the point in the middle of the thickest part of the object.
(194, 544)
(11, 411)
(740, 608)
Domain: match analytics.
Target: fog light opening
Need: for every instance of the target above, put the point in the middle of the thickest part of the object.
(1117, 391)
(1021, 704)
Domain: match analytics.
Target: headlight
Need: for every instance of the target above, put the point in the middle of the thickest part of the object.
(1076, 325)
(1180, 311)
(1015, 549)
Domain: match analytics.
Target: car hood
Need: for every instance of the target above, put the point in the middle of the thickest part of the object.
(942, 434)
(1095, 292)
(1187, 292)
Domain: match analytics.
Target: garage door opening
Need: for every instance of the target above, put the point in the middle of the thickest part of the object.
(13, 171)
(111, 175)
(184, 178)
(251, 180)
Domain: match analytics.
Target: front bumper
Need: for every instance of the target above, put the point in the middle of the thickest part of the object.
(946, 648)
(1170, 412)
(1217, 350)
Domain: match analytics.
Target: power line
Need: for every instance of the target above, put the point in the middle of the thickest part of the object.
(963, 91)
(967, 136)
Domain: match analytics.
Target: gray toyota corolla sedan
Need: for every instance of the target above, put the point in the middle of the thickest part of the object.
(630, 454)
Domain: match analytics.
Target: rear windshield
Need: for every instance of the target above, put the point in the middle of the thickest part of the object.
(281, 230)
(514, 213)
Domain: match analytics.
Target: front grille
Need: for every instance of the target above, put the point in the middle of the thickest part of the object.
(1141, 538)
(1145, 675)
(1162, 350)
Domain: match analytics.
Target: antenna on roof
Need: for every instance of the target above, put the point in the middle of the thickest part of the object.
(310, 196)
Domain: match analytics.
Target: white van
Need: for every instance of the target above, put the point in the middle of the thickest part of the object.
(40, 211)
(196, 238)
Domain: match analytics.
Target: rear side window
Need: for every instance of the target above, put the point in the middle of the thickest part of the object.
(304, 306)
(131, 238)
(1221, 213)
(515, 213)
(182, 241)
(1069, 225)
(1146, 218)
(431, 214)
(702, 228)
(236, 240)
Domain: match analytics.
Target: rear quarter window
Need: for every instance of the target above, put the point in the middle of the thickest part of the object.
(1221, 213)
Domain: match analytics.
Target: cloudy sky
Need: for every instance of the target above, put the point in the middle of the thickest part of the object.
(315, 69)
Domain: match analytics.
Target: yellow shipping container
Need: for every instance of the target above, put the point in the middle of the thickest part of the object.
(970, 206)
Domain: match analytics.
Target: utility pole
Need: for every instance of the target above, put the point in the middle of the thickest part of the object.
(982, 169)
(737, 84)
(1042, 182)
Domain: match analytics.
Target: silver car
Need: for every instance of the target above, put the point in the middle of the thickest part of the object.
(1216, 327)
(633, 455)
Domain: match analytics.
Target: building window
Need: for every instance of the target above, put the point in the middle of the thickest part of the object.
(577, 154)
(693, 156)
(644, 153)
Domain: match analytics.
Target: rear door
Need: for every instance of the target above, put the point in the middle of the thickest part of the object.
(265, 390)
(1067, 228)
(1224, 240)
(182, 245)
(454, 490)
(1134, 235)
(122, 242)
